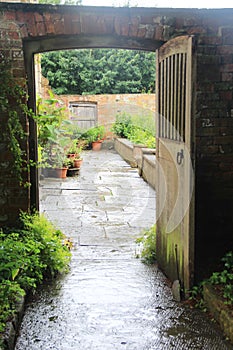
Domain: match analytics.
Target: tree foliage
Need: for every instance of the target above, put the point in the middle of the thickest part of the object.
(99, 71)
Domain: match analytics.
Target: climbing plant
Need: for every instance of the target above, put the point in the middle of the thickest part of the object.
(13, 105)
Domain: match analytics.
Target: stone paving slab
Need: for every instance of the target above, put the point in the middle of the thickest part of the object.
(109, 299)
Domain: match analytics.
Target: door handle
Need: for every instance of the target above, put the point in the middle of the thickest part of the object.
(180, 157)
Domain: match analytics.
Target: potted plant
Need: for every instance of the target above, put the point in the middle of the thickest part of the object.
(95, 137)
(54, 152)
(73, 150)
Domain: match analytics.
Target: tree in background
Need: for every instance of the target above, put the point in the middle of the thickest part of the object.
(99, 71)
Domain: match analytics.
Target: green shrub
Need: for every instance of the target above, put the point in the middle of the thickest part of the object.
(27, 256)
(138, 130)
(123, 125)
(148, 240)
(140, 136)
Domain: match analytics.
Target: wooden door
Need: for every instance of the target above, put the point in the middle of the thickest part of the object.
(175, 79)
(84, 114)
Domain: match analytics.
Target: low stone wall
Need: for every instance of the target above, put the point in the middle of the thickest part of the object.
(138, 157)
(222, 314)
(125, 148)
(149, 169)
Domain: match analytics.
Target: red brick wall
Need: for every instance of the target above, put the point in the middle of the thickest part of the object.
(214, 143)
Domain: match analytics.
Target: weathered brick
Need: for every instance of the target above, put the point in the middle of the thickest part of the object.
(40, 28)
(67, 23)
(226, 59)
(196, 30)
(210, 40)
(209, 59)
(76, 27)
(142, 31)
(10, 15)
(226, 95)
(207, 50)
(59, 26)
(223, 140)
(122, 26)
(210, 72)
(225, 50)
(227, 68)
(159, 33)
(227, 34)
(133, 27)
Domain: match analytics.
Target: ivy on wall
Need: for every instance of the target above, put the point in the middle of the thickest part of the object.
(13, 113)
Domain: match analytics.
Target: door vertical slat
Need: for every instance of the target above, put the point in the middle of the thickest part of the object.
(178, 95)
(161, 99)
(167, 116)
(165, 98)
(172, 98)
(183, 98)
(175, 97)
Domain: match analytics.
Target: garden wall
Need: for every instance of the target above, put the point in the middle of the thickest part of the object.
(108, 106)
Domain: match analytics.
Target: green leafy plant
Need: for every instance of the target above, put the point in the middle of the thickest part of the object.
(148, 241)
(53, 253)
(140, 136)
(133, 128)
(196, 296)
(55, 132)
(27, 256)
(51, 114)
(94, 134)
(224, 278)
(221, 280)
(123, 125)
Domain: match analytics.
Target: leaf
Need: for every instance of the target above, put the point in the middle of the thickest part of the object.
(14, 273)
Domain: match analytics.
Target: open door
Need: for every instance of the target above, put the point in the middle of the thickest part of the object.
(175, 82)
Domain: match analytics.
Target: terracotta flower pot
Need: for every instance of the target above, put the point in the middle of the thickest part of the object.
(77, 163)
(96, 145)
(61, 173)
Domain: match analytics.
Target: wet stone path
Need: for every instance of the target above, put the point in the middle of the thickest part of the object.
(109, 299)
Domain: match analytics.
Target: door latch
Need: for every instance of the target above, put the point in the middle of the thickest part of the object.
(180, 157)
